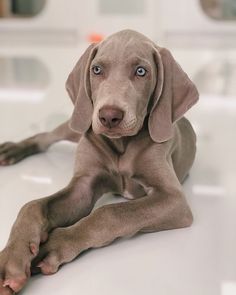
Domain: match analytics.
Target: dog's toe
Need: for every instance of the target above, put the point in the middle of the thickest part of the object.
(50, 264)
(5, 290)
(15, 284)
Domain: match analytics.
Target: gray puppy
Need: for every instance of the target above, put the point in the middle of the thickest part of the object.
(129, 99)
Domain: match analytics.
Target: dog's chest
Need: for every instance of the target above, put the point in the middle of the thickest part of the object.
(125, 165)
(131, 188)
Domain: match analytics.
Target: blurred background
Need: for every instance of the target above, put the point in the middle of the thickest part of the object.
(40, 41)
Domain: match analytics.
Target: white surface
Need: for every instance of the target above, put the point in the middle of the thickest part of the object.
(195, 261)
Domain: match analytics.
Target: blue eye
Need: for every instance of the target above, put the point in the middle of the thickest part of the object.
(140, 71)
(97, 70)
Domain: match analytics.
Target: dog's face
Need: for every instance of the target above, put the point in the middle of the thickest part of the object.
(122, 82)
(118, 82)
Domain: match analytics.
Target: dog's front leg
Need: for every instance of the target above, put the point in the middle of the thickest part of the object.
(13, 152)
(37, 218)
(161, 210)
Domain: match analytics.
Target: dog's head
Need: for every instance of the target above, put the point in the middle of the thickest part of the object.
(120, 81)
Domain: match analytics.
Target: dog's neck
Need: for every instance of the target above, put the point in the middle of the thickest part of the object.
(118, 145)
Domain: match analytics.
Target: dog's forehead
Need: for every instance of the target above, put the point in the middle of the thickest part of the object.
(124, 45)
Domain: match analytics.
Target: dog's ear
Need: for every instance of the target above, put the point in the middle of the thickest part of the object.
(174, 94)
(79, 90)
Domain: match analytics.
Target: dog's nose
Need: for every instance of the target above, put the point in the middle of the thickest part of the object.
(110, 117)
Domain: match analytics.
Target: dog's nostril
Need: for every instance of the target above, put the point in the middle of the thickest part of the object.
(103, 120)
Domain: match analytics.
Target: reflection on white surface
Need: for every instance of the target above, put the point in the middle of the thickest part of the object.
(21, 95)
(37, 179)
(211, 190)
(228, 288)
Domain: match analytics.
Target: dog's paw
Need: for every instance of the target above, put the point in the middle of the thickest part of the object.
(58, 250)
(5, 290)
(11, 153)
(14, 269)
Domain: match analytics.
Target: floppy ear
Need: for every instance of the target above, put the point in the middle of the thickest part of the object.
(175, 93)
(78, 88)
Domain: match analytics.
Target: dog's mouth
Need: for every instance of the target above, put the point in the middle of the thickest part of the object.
(118, 132)
(112, 134)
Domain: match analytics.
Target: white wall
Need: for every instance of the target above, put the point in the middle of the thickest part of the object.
(56, 15)
(58, 20)
(183, 22)
(164, 20)
(78, 17)
(107, 24)
(187, 16)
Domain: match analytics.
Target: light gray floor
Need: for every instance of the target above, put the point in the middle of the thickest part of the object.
(197, 260)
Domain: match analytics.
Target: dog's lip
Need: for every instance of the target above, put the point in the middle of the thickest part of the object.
(116, 132)
(112, 133)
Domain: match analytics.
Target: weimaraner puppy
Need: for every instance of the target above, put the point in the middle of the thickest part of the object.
(129, 99)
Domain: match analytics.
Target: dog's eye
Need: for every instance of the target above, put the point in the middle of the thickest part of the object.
(97, 70)
(140, 72)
